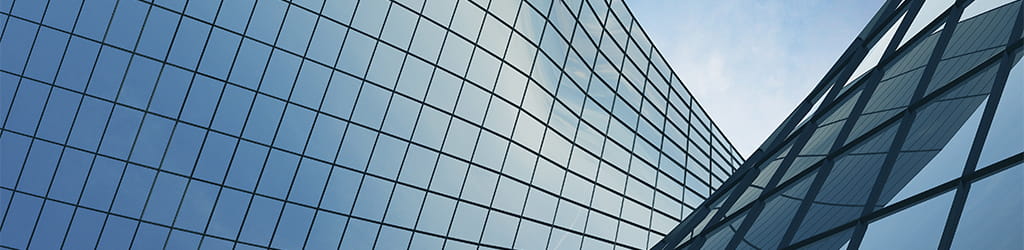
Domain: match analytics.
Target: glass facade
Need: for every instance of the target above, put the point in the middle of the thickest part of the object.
(345, 124)
(917, 144)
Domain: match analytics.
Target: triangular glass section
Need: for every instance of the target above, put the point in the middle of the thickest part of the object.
(978, 7)
(929, 11)
(1006, 135)
(875, 54)
(945, 165)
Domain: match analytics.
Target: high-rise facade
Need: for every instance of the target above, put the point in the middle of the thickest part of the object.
(916, 143)
(342, 123)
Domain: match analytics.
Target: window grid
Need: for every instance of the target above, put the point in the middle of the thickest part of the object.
(145, 114)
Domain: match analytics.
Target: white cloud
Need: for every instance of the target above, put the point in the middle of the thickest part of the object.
(750, 62)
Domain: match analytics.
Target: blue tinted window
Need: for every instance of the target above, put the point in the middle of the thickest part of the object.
(46, 54)
(436, 215)
(400, 26)
(311, 84)
(444, 91)
(62, 15)
(71, 173)
(369, 16)
(292, 227)
(220, 50)
(341, 187)
(228, 214)
(294, 129)
(246, 167)
(384, 68)
(164, 199)
(117, 233)
(78, 62)
(204, 10)
(170, 91)
(342, 90)
(27, 107)
(14, 148)
(263, 119)
(53, 223)
(918, 227)
(120, 133)
(339, 10)
(469, 222)
(150, 236)
(393, 238)
(279, 78)
(371, 106)
(202, 100)
(418, 167)
(252, 59)
(326, 232)
(1006, 137)
(83, 231)
(155, 38)
(266, 20)
(415, 74)
(462, 144)
(153, 138)
(359, 234)
(39, 167)
(31, 10)
(16, 44)
(139, 82)
(430, 127)
(128, 19)
(296, 31)
(231, 112)
(89, 124)
(325, 138)
(372, 201)
(215, 243)
(21, 214)
(480, 185)
(448, 176)
(184, 148)
(102, 183)
(355, 54)
(309, 182)
(235, 14)
(326, 41)
(992, 216)
(354, 150)
(405, 206)
(94, 27)
(188, 43)
(134, 187)
(401, 116)
(427, 241)
(278, 173)
(472, 104)
(215, 157)
(183, 240)
(260, 221)
(387, 157)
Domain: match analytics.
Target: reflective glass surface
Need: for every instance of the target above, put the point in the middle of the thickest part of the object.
(339, 123)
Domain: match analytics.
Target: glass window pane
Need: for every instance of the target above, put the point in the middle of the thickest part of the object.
(1006, 137)
(992, 217)
(917, 227)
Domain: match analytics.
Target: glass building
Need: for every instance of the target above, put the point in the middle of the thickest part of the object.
(342, 123)
(915, 141)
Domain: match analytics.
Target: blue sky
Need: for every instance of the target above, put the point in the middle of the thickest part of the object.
(750, 62)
